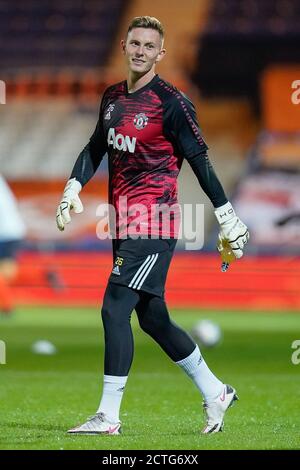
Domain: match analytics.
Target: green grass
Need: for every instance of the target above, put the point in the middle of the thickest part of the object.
(42, 396)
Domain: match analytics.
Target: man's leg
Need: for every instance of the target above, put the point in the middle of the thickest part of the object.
(154, 319)
(118, 303)
(8, 272)
(6, 296)
(218, 397)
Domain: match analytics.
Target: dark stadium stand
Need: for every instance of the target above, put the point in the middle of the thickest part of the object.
(57, 33)
(241, 39)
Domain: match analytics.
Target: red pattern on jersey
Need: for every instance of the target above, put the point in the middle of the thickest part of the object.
(149, 175)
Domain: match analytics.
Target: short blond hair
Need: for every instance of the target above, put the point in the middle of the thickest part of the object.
(146, 22)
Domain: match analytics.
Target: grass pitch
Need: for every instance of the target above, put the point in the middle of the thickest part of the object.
(43, 396)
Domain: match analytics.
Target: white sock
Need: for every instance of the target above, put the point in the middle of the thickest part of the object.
(197, 369)
(113, 389)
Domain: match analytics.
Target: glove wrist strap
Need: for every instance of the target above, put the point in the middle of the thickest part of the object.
(73, 185)
(224, 213)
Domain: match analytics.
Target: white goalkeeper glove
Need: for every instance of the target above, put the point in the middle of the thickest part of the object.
(70, 200)
(232, 229)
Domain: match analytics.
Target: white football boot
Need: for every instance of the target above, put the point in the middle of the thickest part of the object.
(216, 410)
(97, 424)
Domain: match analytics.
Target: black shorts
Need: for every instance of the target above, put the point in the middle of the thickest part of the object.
(142, 264)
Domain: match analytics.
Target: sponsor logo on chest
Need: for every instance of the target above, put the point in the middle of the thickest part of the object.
(120, 141)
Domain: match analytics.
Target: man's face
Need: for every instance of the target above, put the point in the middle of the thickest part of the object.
(143, 49)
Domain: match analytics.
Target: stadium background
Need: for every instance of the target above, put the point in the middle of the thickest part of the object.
(238, 61)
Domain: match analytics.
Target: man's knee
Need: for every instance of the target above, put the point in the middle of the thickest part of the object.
(112, 314)
(153, 317)
(147, 324)
(118, 304)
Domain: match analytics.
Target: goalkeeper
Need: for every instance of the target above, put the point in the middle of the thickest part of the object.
(146, 126)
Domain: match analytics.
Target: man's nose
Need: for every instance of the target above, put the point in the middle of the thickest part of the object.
(140, 51)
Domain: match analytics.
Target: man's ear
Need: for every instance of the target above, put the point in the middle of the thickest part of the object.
(123, 46)
(160, 55)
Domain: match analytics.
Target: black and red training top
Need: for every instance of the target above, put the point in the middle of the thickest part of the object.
(146, 135)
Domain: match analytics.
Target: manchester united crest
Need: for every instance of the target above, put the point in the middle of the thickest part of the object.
(140, 121)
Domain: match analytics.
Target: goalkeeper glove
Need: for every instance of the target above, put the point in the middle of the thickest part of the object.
(232, 229)
(70, 200)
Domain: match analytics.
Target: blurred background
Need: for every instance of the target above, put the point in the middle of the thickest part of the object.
(238, 60)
